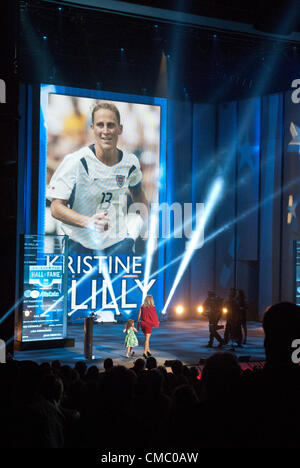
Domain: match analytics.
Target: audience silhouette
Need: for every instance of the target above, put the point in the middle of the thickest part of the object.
(53, 405)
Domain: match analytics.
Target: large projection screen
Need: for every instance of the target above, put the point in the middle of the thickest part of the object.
(109, 288)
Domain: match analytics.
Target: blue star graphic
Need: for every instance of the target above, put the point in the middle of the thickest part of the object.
(247, 153)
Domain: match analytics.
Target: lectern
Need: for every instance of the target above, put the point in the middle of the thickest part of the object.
(88, 337)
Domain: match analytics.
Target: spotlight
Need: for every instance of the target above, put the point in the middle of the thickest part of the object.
(44, 38)
(214, 36)
(179, 309)
(224, 310)
(200, 309)
(194, 241)
(122, 49)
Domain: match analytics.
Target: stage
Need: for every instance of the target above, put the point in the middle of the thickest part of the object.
(185, 340)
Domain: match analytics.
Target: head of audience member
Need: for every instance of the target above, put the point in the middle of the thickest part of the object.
(118, 386)
(52, 388)
(92, 373)
(220, 375)
(177, 367)
(139, 365)
(45, 368)
(108, 364)
(281, 324)
(81, 368)
(184, 397)
(68, 375)
(151, 363)
(187, 373)
(56, 365)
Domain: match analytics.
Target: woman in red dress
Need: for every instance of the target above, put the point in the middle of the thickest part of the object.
(149, 319)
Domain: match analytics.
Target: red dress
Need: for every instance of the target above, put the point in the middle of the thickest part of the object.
(149, 319)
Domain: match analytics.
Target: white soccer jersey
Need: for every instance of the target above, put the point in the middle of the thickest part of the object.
(91, 186)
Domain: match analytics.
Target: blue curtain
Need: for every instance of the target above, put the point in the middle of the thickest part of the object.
(243, 142)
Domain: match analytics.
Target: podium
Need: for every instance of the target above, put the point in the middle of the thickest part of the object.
(88, 337)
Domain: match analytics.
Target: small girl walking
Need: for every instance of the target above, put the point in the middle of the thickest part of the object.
(130, 339)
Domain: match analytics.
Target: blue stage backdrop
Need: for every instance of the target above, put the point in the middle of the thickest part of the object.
(248, 241)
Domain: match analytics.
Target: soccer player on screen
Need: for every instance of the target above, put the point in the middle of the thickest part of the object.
(88, 188)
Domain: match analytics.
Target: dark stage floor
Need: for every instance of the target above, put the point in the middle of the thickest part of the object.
(183, 340)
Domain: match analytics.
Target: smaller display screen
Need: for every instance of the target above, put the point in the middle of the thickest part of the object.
(44, 301)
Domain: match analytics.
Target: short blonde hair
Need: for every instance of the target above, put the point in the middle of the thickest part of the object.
(107, 106)
(148, 301)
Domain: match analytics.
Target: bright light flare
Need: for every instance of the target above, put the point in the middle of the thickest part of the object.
(179, 309)
(200, 309)
(224, 310)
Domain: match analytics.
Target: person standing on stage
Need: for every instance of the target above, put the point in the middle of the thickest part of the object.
(148, 317)
(88, 189)
(233, 329)
(130, 339)
(212, 309)
(242, 312)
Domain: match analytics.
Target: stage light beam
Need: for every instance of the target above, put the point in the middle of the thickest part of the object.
(208, 208)
(151, 245)
(217, 232)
